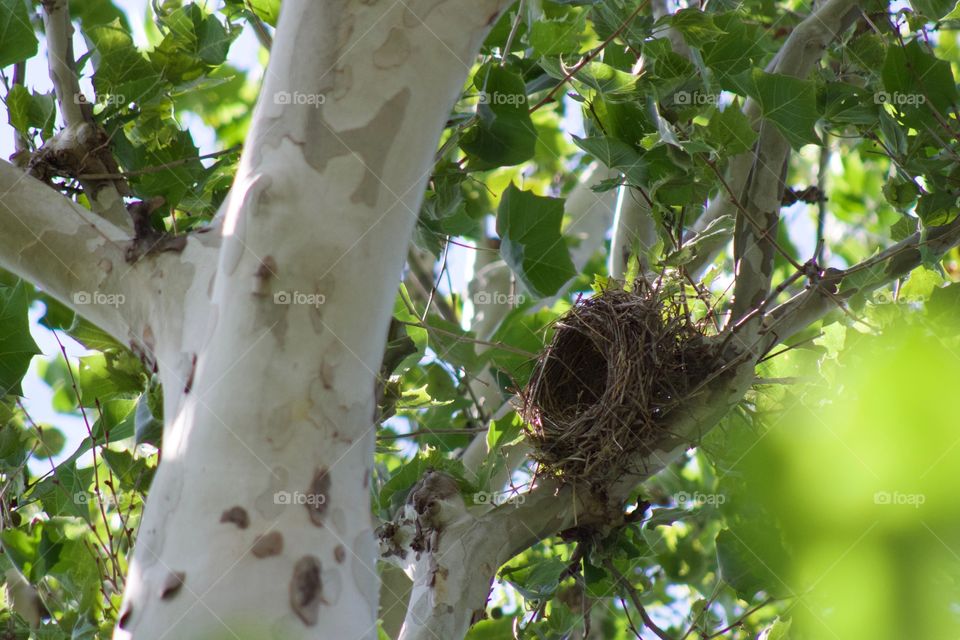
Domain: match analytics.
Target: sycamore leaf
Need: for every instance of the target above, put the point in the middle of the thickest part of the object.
(530, 240)
(16, 33)
(16, 344)
(504, 134)
(788, 102)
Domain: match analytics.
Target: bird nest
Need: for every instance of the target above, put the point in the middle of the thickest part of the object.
(618, 364)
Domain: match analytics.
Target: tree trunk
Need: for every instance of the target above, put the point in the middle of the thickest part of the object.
(259, 517)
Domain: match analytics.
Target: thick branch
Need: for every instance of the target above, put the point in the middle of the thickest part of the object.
(759, 205)
(797, 58)
(837, 285)
(69, 252)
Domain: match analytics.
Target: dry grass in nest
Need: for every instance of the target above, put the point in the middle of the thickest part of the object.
(619, 362)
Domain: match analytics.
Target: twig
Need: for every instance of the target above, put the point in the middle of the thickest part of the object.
(739, 621)
(259, 28)
(589, 57)
(635, 599)
(157, 168)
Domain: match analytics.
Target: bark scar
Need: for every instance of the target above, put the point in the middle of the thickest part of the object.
(306, 590)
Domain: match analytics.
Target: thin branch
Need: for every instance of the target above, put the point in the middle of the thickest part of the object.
(157, 168)
(81, 137)
(895, 262)
(259, 28)
(589, 57)
(739, 621)
(635, 599)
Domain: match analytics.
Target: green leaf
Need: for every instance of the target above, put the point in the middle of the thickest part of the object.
(67, 493)
(121, 70)
(93, 337)
(133, 473)
(522, 331)
(16, 33)
(554, 37)
(116, 421)
(452, 344)
(921, 284)
(696, 27)
(917, 83)
(51, 441)
(31, 110)
(716, 234)
(147, 428)
(109, 376)
(729, 131)
(530, 240)
(779, 630)
(616, 154)
(538, 580)
(933, 9)
(788, 102)
(17, 347)
(903, 228)
(743, 45)
(609, 82)
(742, 568)
(266, 10)
(94, 12)
(504, 432)
(504, 134)
(21, 546)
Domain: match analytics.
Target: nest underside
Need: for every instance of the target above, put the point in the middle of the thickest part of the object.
(618, 364)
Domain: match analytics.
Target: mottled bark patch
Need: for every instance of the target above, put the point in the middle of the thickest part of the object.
(339, 553)
(193, 370)
(269, 544)
(126, 614)
(387, 122)
(237, 515)
(306, 590)
(317, 496)
(417, 11)
(171, 584)
(266, 270)
(394, 51)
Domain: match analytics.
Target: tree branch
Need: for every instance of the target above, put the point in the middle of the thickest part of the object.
(822, 296)
(51, 242)
(764, 182)
(798, 56)
(83, 146)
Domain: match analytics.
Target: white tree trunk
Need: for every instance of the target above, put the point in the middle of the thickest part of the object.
(259, 522)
